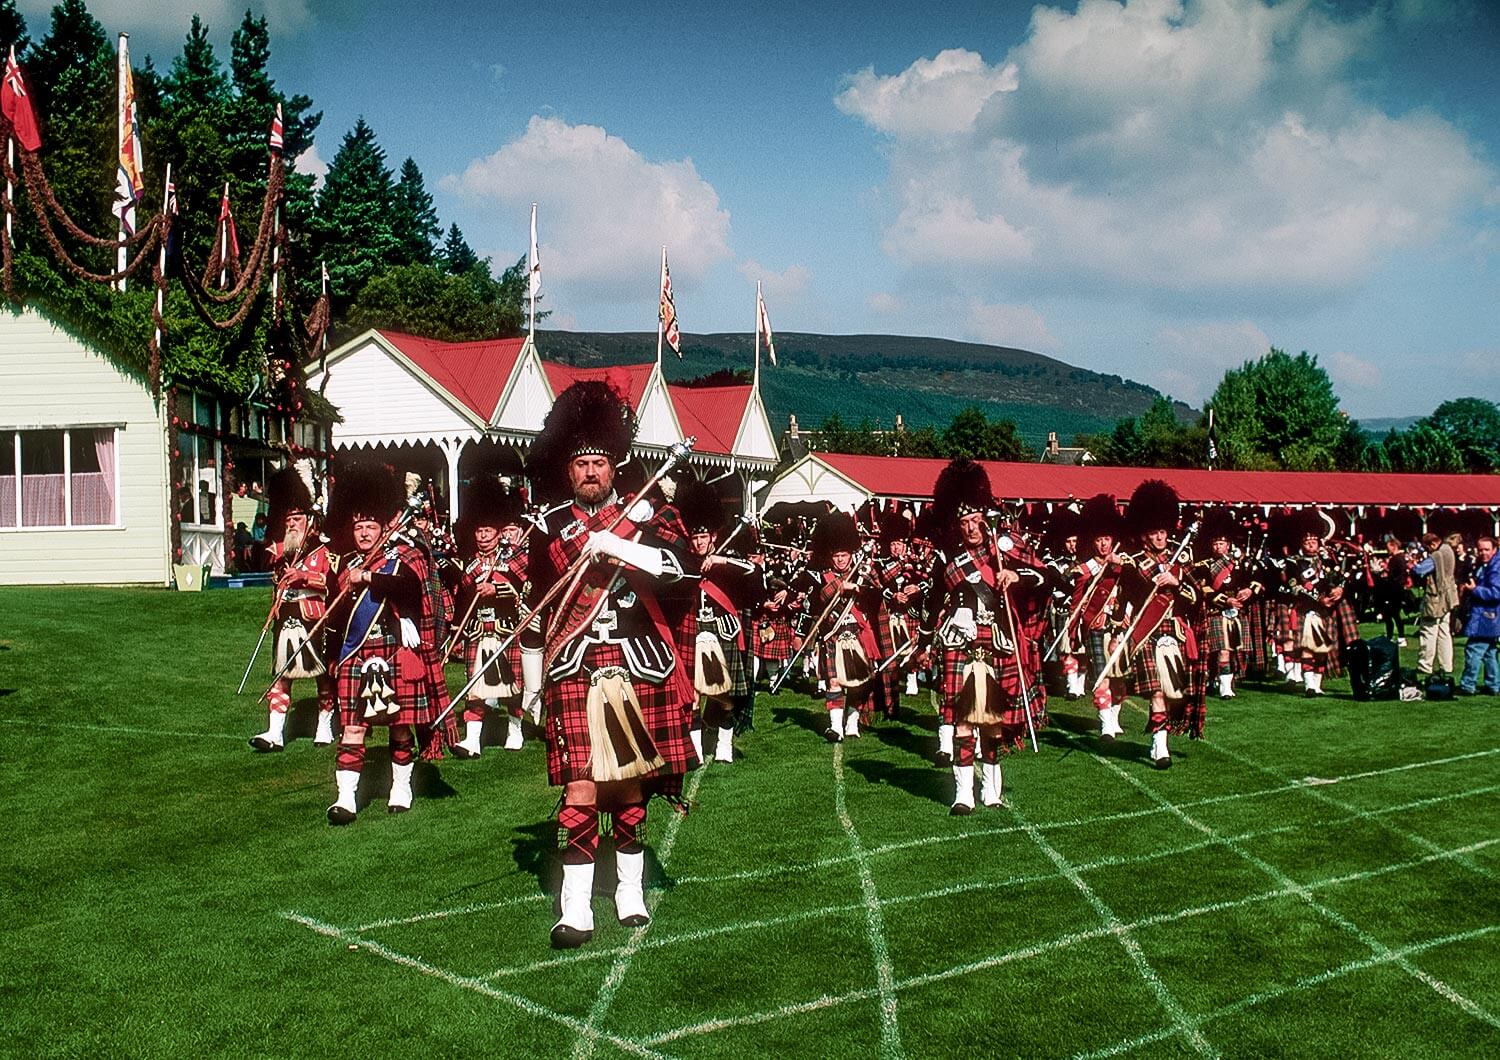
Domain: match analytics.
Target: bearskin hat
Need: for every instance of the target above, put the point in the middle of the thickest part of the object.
(1100, 516)
(486, 502)
(1218, 521)
(961, 488)
(1310, 521)
(895, 526)
(1153, 506)
(699, 505)
(1062, 524)
(287, 491)
(835, 532)
(362, 489)
(590, 417)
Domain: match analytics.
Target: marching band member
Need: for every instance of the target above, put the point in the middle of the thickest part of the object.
(388, 673)
(1318, 619)
(847, 648)
(720, 642)
(1098, 610)
(488, 603)
(1163, 632)
(775, 639)
(986, 595)
(1228, 587)
(302, 572)
(903, 584)
(617, 701)
(1062, 569)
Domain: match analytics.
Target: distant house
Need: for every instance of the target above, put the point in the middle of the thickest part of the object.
(100, 483)
(1065, 454)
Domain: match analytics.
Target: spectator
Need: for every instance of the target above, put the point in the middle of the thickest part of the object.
(206, 511)
(1439, 598)
(259, 532)
(1390, 590)
(243, 543)
(1483, 627)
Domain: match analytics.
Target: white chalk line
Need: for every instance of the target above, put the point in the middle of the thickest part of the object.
(890, 1027)
(589, 1034)
(799, 868)
(1042, 949)
(988, 884)
(128, 730)
(1297, 987)
(1122, 934)
(478, 986)
(1316, 792)
(1376, 946)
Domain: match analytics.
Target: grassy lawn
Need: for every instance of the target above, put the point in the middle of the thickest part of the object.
(1313, 879)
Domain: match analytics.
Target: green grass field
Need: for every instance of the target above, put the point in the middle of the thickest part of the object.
(1314, 879)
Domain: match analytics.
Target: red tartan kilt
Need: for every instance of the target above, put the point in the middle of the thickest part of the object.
(1013, 715)
(1145, 681)
(782, 644)
(410, 684)
(668, 720)
(1218, 640)
(512, 658)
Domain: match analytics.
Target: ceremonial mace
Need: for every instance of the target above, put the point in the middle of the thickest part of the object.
(678, 452)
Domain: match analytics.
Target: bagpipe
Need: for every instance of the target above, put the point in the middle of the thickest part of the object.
(860, 568)
(1155, 608)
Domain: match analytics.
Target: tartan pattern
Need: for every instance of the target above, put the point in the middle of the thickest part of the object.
(1218, 640)
(1254, 627)
(1342, 626)
(1008, 673)
(861, 699)
(734, 659)
(668, 720)
(781, 645)
(1145, 681)
(510, 662)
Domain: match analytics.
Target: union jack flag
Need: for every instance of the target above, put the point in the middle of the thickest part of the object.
(278, 140)
(667, 314)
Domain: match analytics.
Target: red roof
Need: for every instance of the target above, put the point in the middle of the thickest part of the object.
(912, 477)
(474, 373)
(629, 379)
(712, 414)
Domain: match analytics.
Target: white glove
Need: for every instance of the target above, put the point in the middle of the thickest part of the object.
(963, 623)
(632, 553)
(410, 638)
(531, 682)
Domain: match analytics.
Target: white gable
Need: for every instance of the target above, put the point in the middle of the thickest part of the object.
(809, 479)
(384, 401)
(755, 440)
(657, 418)
(526, 399)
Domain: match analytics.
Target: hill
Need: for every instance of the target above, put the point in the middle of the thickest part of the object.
(924, 380)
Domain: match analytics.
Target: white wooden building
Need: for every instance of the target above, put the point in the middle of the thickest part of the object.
(447, 410)
(83, 464)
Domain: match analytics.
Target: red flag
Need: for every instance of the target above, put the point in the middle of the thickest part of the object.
(668, 311)
(278, 141)
(15, 101)
(231, 238)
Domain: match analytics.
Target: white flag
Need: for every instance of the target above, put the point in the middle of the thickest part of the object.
(763, 323)
(533, 262)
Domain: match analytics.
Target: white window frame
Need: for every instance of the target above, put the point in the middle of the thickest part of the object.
(67, 523)
(194, 437)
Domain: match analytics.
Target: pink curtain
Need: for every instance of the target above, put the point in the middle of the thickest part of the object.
(94, 491)
(8, 500)
(43, 502)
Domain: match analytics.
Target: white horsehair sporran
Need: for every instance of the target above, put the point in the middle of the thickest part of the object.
(851, 663)
(295, 654)
(1315, 634)
(979, 698)
(1171, 667)
(711, 675)
(620, 742)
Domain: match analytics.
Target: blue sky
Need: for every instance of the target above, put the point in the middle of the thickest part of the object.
(1158, 189)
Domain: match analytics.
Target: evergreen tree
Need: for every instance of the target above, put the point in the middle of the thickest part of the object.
(71, 74)
(415, 220)
(354, 210)
(192, 135)
(1422, 449)
(13, 30)
(425, 300)
(972, 435)
(1473, 426)
(457, 256)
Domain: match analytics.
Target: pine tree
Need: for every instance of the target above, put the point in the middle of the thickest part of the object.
(195, 106)
(415, 220)
(457, 256)
(353, 223)
(71, 74)
(13, 30)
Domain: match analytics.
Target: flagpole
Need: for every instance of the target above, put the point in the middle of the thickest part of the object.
(531, 281)
(10, 191)
(224, 245)
(122, 57)
(161, 255)
(1212, 453)
(660, 323)
(757, 337)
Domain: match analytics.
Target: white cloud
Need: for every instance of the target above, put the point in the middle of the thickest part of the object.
(310, 161)
(1190, 360)
(780, 288)
(1212, 154)
(1010, 325)
(1350, 372)
(883, 302)
(604, 210)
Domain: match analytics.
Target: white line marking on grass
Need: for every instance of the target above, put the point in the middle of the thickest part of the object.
(589, 1034)
(1040, 949)
(465, 982)
(885, 976)
(1301, 985)
(443, 914)
(83, 726)
(1112, 922)
(1303, 892)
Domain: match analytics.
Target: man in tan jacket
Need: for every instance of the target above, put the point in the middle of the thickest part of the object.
(1440, 597)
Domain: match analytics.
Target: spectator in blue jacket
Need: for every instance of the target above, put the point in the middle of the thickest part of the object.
(1483, 626)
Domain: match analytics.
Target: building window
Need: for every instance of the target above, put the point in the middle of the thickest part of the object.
(195, 469)
(58, 478)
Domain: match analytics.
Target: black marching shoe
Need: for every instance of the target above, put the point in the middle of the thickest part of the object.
(943, 760)
(460, 751)
(960, 809)
(1164, 762)
(339, 815)
(261, 745)
(832, 735)
(565, 937)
